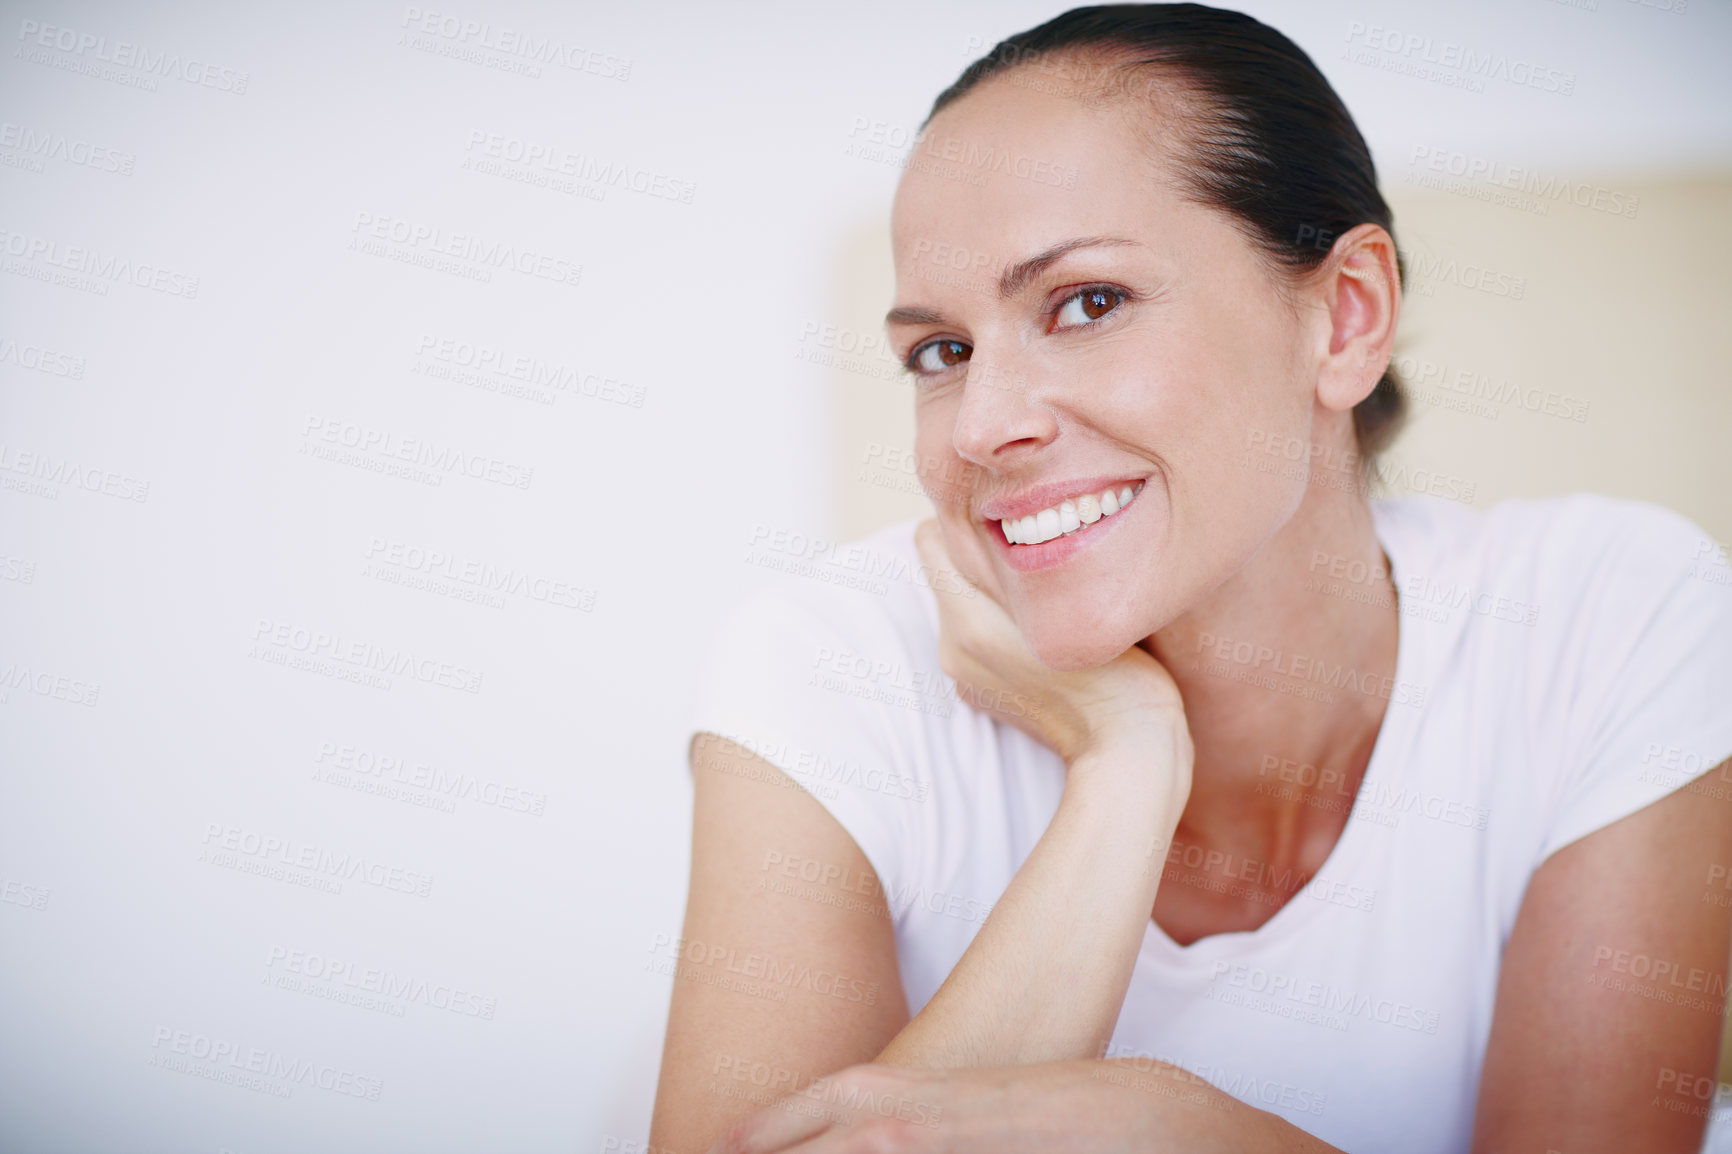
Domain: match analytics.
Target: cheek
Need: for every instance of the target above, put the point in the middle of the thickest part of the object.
(1254, 367)
(1217, 392)
(947, 479)
(949, 483)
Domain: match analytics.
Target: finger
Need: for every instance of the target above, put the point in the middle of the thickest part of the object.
(873, 1108)
(794, 1120)
(929, 539)
(869, 1137)
(954, 597)
(969, 610)
(934, 548)
(787, 1123)
(935, 555)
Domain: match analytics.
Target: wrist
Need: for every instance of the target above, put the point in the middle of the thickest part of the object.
(1179, 1109)
(1148, 760)
(1128, 803)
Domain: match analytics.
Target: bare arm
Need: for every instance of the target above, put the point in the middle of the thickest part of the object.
(776, 985)
(1045, 977)
(1605, 1036)
(1118, 1106)
(1612, 990)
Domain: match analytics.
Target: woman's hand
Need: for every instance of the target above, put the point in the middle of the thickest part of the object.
(1045, 977)
(870, 1108)
(1122, 1105)
(1129, 700)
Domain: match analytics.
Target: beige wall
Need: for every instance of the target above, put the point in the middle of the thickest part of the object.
(1629, 316)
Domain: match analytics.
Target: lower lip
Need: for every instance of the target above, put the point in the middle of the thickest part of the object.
(1029, 558)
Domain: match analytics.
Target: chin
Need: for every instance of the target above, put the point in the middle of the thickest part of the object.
(1063, 646)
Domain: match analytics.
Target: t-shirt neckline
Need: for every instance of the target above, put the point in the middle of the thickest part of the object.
(1351, 845)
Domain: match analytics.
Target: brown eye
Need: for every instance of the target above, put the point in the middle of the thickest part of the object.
(1088, 305)
(937, 356)
(1097, 303)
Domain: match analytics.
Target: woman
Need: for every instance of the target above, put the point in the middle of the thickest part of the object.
(1246, 813)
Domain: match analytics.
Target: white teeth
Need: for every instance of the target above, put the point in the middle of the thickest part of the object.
(1068, 516)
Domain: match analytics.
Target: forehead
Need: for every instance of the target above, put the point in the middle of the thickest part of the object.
(1022, 159)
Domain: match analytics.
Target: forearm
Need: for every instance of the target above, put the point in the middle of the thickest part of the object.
(1046, 975)
(1121, 1106)
(1166, 1107)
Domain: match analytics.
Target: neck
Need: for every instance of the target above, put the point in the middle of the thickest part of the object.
(1282, 735)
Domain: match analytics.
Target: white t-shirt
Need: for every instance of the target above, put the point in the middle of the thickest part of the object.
(1562, 663)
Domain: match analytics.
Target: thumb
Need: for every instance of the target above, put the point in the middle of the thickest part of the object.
(929, 539)
(935, 555)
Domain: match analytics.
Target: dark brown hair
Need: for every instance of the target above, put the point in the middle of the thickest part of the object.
(1270, 142)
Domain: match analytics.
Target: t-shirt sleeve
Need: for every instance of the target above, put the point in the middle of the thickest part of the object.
(1655, 647)
(770, 685)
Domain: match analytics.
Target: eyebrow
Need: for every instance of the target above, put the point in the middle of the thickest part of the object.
(1014, 279)
(913, 316)
(1017, 276)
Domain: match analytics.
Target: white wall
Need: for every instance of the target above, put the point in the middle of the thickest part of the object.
(170, 539)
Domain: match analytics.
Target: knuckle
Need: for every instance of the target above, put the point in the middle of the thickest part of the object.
(887, 1136)
(967, 632)
(737, 1138)
(950, 657)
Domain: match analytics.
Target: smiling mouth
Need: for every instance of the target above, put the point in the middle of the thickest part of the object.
(1068, 517)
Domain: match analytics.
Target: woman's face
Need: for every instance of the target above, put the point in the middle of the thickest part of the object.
(1081, 329)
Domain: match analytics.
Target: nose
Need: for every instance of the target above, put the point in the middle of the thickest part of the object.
(1000, 419)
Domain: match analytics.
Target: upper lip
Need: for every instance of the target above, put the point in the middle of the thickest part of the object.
(1032, 499)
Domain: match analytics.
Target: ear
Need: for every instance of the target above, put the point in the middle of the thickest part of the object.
(1360, 288)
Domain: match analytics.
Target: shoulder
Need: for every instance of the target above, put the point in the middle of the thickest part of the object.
(830, 674)
(829, 602)
(1596, 629)
(1587, 640)
(1588, 535)
(838, 655)
(1572, 527)
(1617, 577)
(1562, 561)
